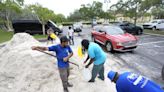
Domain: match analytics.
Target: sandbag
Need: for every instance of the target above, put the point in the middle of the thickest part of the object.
(86, 74)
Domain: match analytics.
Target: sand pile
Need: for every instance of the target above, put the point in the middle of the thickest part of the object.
(24, 70)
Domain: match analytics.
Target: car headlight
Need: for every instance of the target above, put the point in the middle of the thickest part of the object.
(119, 44)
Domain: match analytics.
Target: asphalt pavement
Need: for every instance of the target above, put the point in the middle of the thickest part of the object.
(147, 58)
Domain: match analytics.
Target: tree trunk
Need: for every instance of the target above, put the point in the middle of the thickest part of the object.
(8, 23)
(43, 29)
(135, 20)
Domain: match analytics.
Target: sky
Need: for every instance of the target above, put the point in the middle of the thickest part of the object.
(66, 7)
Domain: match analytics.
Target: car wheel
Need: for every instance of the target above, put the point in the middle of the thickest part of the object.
(109, 47)
(154, 28)
(163, 72)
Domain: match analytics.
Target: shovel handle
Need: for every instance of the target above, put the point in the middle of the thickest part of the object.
(55, 57)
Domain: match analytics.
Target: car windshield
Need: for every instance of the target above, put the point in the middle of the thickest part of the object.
(154, 22)
(114, 31)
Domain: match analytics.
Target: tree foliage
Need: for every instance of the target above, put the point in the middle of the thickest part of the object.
(16, 10)
(137, 8)
(90, 11)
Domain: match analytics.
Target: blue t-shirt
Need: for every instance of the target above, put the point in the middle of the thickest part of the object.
(61, 53)
(130, 82)
(96, 52)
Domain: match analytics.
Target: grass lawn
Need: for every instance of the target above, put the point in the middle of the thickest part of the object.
(6, 36)
(161, 32)
(40, 36)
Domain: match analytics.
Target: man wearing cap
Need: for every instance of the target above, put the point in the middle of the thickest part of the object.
(96, 56)
(63, 53)
(131, 82)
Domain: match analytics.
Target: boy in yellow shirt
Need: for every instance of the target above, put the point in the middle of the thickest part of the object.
(51, 36)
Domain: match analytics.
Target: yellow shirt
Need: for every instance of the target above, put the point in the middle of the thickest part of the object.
(52, 35)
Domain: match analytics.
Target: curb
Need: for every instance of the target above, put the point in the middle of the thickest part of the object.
(153, 34)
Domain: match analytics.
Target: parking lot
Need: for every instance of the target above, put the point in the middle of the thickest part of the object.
(146, 59)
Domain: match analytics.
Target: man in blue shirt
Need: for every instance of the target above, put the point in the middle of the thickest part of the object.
(96, 56)
(63, 53)
(131, 82)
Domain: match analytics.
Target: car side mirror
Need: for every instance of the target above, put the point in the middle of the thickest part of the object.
(104, 32)
(100, 31)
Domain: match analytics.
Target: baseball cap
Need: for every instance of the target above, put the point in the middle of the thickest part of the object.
(64, 39)
(111, 75)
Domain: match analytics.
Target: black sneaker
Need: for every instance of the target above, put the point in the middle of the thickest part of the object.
(91, 81)
(70, 85)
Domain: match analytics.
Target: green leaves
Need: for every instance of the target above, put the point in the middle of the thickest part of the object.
(90, 11)
(45, 14)
(137, 8)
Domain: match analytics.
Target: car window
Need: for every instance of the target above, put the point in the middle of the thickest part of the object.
(113, 30)
(162, 21)
(132, 25)
(154, 22)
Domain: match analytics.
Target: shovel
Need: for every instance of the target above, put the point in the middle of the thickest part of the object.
(55, 57)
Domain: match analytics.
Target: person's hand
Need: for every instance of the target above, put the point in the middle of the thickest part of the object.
(85, 62)
(86, 66)
(65, 59)
(34, 47)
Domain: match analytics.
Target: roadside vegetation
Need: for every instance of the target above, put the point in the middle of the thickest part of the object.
(6, 36)
(160, 32)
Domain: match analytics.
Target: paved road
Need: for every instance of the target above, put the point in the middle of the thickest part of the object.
(147, 59)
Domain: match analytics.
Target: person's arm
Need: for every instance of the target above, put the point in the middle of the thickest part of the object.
(39, 48)
(66, 59)
(90, 62)
(86, 59)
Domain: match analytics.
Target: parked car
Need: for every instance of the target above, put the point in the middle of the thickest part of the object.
(77, 27)
(33, 26)
(114, 38)
(129, 27)
(52, 25)
(155, 24)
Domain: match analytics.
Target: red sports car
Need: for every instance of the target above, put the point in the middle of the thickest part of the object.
(114, 38)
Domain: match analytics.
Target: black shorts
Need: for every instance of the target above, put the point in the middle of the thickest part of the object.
(49, 38)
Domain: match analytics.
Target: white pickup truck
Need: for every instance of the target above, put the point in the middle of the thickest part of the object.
(155, 24)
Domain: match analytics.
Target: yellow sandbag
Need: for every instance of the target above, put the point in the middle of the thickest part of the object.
(53, 36)
(80, 53)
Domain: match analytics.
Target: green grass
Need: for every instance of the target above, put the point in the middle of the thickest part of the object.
(6, 36)
(40, 36)
(161, 32)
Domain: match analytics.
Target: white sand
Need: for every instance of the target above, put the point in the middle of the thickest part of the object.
(24, 70)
